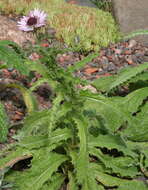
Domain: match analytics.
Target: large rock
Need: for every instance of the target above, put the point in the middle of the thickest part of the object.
(87, 3)
(132, 15)
(10, 31)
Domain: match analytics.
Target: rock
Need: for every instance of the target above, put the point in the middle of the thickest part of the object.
(9, 31)
(132, 43)
(86, 3)
(131, 16)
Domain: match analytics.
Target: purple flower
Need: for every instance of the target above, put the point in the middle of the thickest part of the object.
(35, 19)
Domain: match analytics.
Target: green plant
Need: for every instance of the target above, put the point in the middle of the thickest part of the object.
(85, 141)
(105, 5)
(3, 184)
(136, 33)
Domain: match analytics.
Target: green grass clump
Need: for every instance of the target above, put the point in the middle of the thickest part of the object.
(79, 27)
(105, 5)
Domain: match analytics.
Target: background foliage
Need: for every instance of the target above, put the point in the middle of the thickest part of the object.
(82, 28)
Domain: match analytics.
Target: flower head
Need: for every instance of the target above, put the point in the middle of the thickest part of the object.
(35, 19)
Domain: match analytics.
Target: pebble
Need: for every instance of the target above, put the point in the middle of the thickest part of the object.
(132, 43)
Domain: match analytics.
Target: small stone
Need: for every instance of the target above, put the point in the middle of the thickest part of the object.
(111, 67)
(100, 69)
(10, 69)
(91, 70)
(34, 56)
(118, 51)
(61, 60)
(132, 43)
(44, 45)
(88, 87)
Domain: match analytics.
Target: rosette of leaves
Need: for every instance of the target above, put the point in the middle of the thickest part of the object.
(85, 141)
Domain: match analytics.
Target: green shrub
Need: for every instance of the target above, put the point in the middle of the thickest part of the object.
(85, 141)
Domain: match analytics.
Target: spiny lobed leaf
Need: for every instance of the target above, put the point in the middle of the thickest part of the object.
(133, 132)
(135, 99)
(38, 141)
(111, 113)
(82, 160)
(44, 164)
(111, 181)
(111, 142)
(12, 59)
(125, 75)
(45, 169)
(11, 157)
(33, 122)
(54, 183)
(121, 166)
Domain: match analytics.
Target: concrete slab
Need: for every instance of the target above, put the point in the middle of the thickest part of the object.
(87, 3)
(132, 15)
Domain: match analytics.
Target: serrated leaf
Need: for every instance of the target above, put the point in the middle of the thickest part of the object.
(133, 185)
(121, 166)
(12, 44)
(110, 181)
(128, 74)
(55, 182)
(34, 121)
(140, 77)
(38, 141)
(137, 129)
(82, 160)
(43, 166)
(12, 59)
(103, 83)
(111, 142)
(135, 99)
(112, 114)
(40, 68)
(13, 157)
